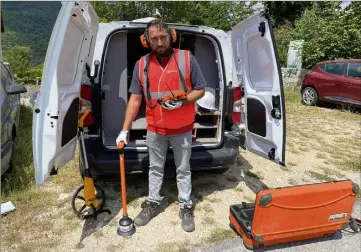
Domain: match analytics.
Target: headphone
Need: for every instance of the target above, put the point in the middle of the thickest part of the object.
(144, 39)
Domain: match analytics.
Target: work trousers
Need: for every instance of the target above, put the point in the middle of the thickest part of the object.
(158, 146)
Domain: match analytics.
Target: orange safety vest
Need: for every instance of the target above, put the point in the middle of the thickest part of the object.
(157, 82)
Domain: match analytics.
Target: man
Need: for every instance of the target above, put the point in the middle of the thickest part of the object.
(165, 71)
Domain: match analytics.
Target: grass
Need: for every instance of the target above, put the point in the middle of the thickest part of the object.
(208, 221)
(174, 246)
(238, 189)
(307, 127)
(290, 164)
(321, 155)
(353, 164)
(292, 181)
(320, 176)
(257, 175)
(332, 172)
(294, 108)
(37, 208)
(34, 206)
(250, 199)
(21, 176)
(219, 235)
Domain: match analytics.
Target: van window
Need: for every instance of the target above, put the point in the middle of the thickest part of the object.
(354, 69)
(334, 68)
(260, 63)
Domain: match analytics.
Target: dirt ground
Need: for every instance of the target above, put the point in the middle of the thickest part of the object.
(321, 146)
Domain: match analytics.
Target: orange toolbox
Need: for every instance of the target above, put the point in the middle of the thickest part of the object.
(294, 213)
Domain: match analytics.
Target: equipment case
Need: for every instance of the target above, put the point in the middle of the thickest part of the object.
(294, 213)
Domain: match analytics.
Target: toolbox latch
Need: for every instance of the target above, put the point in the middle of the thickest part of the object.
(265, 200)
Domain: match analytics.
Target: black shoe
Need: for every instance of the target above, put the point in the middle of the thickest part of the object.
(187, 216)
(149, 211)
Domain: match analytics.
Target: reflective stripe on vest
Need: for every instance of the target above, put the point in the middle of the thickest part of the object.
(143, 70)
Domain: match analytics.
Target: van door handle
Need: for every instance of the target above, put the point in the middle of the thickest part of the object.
(348, 84)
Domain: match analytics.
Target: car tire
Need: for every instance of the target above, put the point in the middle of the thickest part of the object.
(309, 97)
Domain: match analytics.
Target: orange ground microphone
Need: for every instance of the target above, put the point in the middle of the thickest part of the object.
(126, 226)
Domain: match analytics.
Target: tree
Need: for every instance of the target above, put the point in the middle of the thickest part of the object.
(329, 33)
(221, 15)
(283, 36)
(18, 58)
(286, 12)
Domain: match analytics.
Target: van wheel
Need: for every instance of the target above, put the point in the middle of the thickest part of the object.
(309, 97)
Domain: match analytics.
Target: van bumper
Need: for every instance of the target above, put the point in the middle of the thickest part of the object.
(103, 162)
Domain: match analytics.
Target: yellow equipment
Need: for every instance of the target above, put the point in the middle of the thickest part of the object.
(93, 200)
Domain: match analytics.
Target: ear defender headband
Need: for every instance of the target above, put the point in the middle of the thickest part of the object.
(144, 39)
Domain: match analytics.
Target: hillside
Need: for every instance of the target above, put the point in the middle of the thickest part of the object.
(29, 24)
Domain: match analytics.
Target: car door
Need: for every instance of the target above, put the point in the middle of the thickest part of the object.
(352, 83)
(6, 102)
(330, 83)
(55, 118)
(255, 56)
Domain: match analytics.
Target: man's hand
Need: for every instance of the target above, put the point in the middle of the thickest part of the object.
(123, 137)
(170, 105)
(194, 95)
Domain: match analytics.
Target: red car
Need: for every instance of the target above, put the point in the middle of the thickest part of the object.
(333, 81)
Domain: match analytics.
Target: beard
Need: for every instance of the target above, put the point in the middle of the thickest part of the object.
(161, 52)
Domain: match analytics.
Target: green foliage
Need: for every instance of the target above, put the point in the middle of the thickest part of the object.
(286, 12)
(29, 24)
(283, 36)
(221, 15)
(21, 176)
(19, 59)
(328, 33)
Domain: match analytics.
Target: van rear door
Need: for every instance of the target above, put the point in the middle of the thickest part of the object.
(256, 59)
(55, 119)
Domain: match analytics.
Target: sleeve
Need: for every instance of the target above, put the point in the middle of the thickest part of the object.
(135, 86)
(197, 78)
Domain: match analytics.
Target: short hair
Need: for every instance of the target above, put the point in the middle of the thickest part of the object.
(159, 23)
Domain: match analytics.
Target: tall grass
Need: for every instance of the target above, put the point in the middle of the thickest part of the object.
(292, 94)
(21, 175)
(294, 107)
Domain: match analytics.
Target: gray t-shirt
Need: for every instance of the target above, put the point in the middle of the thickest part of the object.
(197, 78)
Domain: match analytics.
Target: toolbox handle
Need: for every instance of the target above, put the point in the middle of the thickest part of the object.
(308, 207)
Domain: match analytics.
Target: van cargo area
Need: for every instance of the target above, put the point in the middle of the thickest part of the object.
(122, 50)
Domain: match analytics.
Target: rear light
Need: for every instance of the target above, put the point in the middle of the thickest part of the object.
(85, 104)
(237, 105)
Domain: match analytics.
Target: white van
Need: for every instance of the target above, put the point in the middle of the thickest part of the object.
(90, 65)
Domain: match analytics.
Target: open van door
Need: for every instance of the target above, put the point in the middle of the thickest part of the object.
(55, 119)
(255, 56)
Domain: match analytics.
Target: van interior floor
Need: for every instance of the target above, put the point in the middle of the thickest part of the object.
(123, 51)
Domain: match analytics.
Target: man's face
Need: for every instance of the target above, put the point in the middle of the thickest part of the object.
(159, 40)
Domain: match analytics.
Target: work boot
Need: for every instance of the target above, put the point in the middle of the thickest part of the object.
(149, 211)
(187, 216)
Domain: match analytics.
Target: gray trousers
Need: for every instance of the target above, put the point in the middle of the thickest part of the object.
(182, 146)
